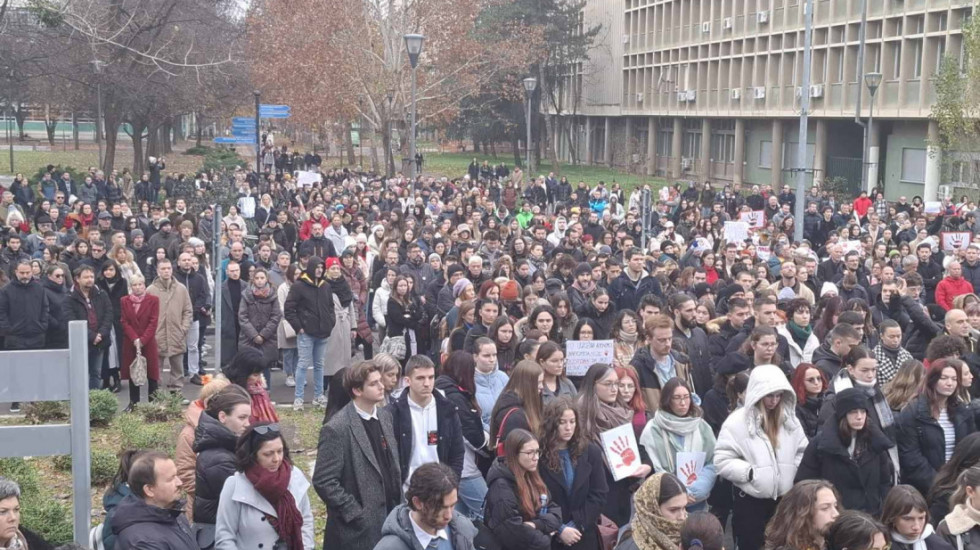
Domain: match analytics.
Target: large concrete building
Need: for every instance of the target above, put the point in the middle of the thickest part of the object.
(710, 90)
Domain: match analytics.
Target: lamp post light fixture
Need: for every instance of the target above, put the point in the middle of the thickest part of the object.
(872, 81)
(413, 44)
(530, 84)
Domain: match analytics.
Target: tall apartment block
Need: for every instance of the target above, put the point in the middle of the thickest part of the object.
(709, 90)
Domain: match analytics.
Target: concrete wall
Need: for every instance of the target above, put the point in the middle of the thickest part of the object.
(904, 134)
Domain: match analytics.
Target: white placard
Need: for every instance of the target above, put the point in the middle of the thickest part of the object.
(736, 232)
(621, 451)
(307, 179)
(755, 218)
(933, 207)
(956, 240)
(763, 253)
(848, 246)
(582, 354)
(689, 466)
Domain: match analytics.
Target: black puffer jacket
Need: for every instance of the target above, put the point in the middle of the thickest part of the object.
(309, 305)
(140, 525)
(921, 443)
(503, 517)
(23, 315)
(862, 482)
(809, 413)
(215, 448)
(57, 336)
(826, 360)
(77, 310)
(469, 417)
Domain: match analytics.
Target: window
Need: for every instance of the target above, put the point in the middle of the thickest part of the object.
(765, 155)
(723, 148)
(914, 165)
(942, 21)
(665, 139)
(897, 61)
(917, 59)
(940, 53)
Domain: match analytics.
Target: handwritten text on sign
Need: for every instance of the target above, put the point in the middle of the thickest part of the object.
(582, 354)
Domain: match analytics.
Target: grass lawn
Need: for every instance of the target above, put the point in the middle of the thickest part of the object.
(29, 162)
(455, 164)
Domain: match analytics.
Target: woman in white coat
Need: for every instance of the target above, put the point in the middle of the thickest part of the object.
(286, 336)
(760, 446)
(798, 331)
(379, 308)
(265, 505)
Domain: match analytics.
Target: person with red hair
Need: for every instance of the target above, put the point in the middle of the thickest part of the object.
(810, 385)
(629, 383)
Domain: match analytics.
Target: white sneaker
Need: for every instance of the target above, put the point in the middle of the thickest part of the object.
(290, 381)
(321, 401)
(298, 405)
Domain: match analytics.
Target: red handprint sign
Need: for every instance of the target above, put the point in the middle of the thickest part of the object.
(621, 451)
(689, 473)
(689, 466)
(621, 448)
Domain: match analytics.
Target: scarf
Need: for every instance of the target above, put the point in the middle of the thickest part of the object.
(843, 381)
(274, 487)
(262, 410)
(586, 290)
(262, 292)
(800, 334)
(609, 416)
(652, 531)
(688, 435)
(962, 518)
(137, 301)
(18, 542)
(629, 337)
(916, 544)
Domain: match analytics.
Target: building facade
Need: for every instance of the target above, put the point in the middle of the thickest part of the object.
(710, 90)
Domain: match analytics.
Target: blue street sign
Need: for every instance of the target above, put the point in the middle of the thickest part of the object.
(238, 130)
(274, 114)
(265, 107)
(243, 124)
(243, 120)
(234, 140)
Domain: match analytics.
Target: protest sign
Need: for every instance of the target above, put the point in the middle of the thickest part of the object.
(763, 253)
(582, 354)
(755, 218)
(933, 207)
(848, 246)
(621, 451)
(307, 179)
(689, 466)
(736, 232)
(955, 240)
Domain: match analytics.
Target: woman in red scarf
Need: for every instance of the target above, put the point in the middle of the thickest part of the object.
(140, 311)
(266, 503)
(245, 369)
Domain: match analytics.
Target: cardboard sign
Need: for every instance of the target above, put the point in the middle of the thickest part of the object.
(621, 451)
(736, 232)
(582, 354)
(933, 207)
(755, 218)
(955, 240)
(763, 253)
(307, 179)
(689, 466)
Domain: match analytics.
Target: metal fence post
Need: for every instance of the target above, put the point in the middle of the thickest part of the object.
(81, 460)
(216, 308)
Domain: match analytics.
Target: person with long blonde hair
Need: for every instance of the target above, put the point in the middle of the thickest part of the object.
(904, 388)
(519, 404)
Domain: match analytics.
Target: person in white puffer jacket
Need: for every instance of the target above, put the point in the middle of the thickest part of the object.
(759, 449)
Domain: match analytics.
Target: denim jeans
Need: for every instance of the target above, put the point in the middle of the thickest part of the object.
(193, 356)
(290, 356)
(95, 356)
(311, 351)
(472, 492)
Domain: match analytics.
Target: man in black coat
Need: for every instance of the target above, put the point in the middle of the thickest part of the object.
(738, 312)
(90, 304)
(24, 315)
(440, 437)
(153, 516)
(309, 310)
(930, 271)
(634, 282)
(690, 339)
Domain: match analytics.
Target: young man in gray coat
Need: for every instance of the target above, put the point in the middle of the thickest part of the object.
(357, 473)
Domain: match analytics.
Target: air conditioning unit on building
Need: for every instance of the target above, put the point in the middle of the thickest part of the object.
(728, 23)
(682, 96)
(706, 27)
(639, 97)
(736, 94)
(762, 17)
(759, 92)
(816, 90)
(687, 164)
(692, 95)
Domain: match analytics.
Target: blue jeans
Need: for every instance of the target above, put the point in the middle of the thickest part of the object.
(95, 356)
(311, 351)
(472, 492)
(290, 356)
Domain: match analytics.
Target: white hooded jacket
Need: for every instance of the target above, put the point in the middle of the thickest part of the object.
(744, 448)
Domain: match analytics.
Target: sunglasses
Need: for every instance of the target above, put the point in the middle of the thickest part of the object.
(266, 429)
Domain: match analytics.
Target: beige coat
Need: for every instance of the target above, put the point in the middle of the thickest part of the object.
(176, 315)
(185, 458)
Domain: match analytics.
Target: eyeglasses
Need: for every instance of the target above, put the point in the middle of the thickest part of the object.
(264, 429)
(532, 453)
(680, 398)
(608, 384)
(58, 275)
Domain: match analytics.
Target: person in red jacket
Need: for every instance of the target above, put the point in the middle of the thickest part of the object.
(316, 215)
(862, 204)
(952, 285)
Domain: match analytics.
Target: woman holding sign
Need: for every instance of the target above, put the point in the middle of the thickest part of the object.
(759, 449)
(602, 409)
(572, 468)
(678, 441)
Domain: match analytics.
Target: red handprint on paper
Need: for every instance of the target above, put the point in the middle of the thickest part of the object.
(689, 472)
(621, 447)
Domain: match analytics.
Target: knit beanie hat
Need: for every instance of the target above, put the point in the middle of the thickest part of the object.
(828, 288)
(583, 269)
(136, 233)
(510, 291)
(460, 286)
(849, 400)
(454, 269)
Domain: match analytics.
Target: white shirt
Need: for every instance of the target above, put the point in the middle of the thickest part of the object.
(424, 422)
(423, 536)
(373, 415)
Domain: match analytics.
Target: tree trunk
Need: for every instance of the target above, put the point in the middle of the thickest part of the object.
(375, 163)
(50, 125)
(74, 129)
(21, 116)
(169, 132)
(198, 119)
(138, 127)
(550, 145)
(493, 148)
(349, 144)
(515, 146)
(111, 121)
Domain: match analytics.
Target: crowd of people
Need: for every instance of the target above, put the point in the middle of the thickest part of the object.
(815, 393)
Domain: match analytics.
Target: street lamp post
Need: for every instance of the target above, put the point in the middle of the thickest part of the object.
(98, 116)
(413, 44)
(258, 136)
(873, 81)
(389, 156)
(530, 83)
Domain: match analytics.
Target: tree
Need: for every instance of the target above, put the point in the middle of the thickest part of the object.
(957, 108)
